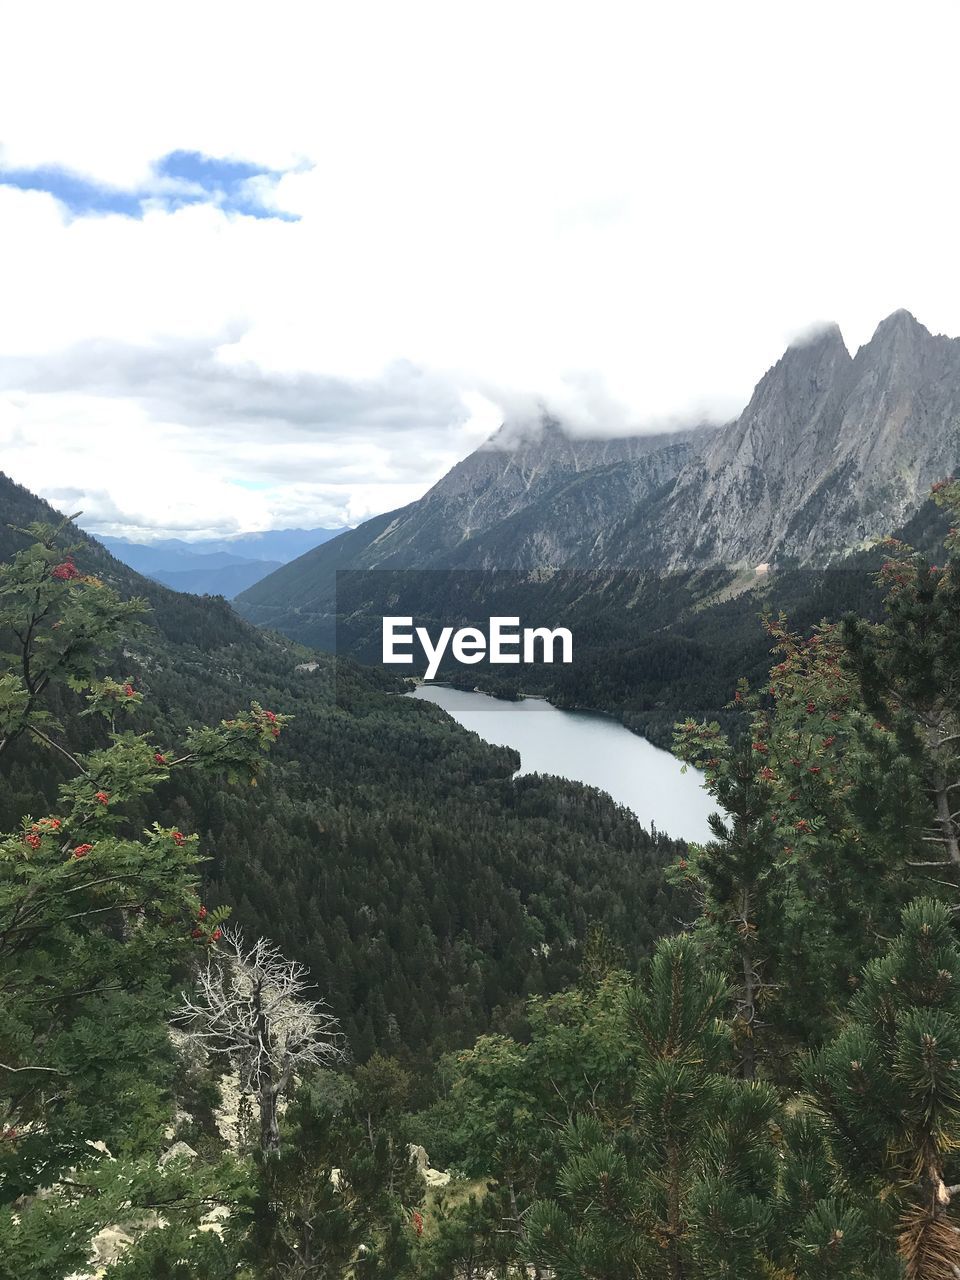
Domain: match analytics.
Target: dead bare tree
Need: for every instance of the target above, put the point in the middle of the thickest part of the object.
(251, 1003)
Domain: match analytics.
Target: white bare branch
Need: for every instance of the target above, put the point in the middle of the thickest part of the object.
(253, 1005)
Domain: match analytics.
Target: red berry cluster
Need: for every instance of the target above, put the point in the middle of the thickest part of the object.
(199, 932)
(82, 850)
(65, 572)
(417, 1219)
(38, 830)
(102, 797)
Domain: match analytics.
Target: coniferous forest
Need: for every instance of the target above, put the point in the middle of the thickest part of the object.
(632, 1057)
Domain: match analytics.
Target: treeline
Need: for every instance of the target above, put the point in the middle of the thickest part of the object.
(649, 648)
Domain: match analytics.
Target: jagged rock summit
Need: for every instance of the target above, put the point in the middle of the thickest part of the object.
(832, 451)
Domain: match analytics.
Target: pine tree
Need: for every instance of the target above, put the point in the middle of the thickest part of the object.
(468, 1242)
(330, 1203)
(909, 667)
(732, 872)
(889, 1084)
(682, 1190)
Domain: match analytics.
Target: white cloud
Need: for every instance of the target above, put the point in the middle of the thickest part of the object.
(623, 211)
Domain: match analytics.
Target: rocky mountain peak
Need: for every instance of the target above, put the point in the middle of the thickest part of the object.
(898, 342)
(818, 353)
(824, 337)
(899, 322)
(831, 452)
(788, 411)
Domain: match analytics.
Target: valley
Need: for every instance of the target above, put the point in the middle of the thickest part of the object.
(508, 904)
(479, 642)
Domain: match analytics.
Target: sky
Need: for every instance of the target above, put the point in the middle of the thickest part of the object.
(271, 266)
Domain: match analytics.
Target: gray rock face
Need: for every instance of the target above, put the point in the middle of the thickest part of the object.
(832, 451)
(534, 496)
(531, 497)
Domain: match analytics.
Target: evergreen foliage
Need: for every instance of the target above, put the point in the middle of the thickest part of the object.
(889, 1084)
(774, 1094)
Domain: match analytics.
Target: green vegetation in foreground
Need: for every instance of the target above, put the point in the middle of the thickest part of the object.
(773, 1095)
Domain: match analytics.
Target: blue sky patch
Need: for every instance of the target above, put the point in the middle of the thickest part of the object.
(179, 178)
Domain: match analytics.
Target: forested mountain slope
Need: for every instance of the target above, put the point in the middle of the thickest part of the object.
(385, 847)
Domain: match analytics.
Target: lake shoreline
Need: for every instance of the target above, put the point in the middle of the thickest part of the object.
(419, 682)
(589, 747)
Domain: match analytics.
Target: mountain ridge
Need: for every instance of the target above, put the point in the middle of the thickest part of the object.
(528, 496)
(832, 451)
(216, 566)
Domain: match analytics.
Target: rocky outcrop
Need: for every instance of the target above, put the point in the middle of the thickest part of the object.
(832, 451)
(432, 1177)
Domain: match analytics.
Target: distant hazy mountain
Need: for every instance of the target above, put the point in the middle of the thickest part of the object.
(217, 566)
(832, 451)
(226, 580)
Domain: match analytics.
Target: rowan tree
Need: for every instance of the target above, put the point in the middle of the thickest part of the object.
(821, 812)
(99, 919)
